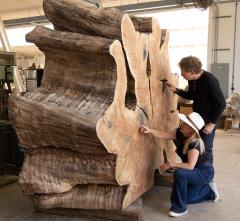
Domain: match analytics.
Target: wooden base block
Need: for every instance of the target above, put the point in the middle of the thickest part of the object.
(165, 179)
(133, 212)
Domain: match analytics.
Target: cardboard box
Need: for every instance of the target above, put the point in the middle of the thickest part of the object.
(228, 123)
(185, 110)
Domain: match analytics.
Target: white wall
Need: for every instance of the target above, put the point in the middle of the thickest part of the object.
(237, 50)
(225, 40)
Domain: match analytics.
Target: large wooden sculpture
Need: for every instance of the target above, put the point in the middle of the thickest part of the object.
(104, 76)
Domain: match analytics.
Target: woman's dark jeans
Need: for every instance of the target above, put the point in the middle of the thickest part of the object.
(191, 186)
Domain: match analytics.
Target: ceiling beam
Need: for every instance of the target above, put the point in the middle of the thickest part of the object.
(154, 5)
(26, 21)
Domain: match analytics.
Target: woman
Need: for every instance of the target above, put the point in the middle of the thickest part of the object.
(192, 177)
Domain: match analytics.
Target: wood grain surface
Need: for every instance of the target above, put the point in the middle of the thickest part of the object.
(105, 75)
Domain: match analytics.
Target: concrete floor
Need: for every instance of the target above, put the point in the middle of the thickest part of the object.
(15, 207)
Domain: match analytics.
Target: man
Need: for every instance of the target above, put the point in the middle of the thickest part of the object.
(208, 99)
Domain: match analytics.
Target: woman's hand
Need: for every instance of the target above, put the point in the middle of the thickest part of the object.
(171, 87)
(163, 168)
(145, 129)
(166, 166)
(208, 128)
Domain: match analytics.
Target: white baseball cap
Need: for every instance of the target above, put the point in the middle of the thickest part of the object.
(194, 120)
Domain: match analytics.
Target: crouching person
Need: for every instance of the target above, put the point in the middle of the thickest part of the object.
(193, 177)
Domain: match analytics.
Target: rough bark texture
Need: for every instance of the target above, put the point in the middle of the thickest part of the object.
(83, 197)
(80, 129)
(76, 16)
(48, 170)
(133, 213)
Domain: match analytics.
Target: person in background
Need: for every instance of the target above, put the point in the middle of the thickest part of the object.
(33, 67)
(208, 99)
(192, 177)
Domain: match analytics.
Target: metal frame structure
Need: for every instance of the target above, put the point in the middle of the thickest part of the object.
(130, 8)
(26, 21)
(3, 37)
(155, 5)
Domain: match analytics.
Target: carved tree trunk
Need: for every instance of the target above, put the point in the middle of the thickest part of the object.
(80, 129)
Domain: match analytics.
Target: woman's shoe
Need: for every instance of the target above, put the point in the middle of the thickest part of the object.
(213, 186)
(174, 214)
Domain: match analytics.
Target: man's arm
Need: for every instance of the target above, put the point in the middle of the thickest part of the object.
(219, 103)
(181, 93)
